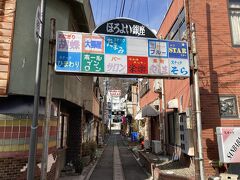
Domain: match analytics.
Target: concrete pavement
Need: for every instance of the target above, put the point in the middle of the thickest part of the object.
(117, 163)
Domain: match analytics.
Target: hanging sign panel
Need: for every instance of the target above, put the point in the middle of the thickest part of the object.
(228, 139)
(113, 55)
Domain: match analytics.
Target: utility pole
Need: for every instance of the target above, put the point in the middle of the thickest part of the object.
(195, 95)
(197, 102)
(34, 126)
(51, 57)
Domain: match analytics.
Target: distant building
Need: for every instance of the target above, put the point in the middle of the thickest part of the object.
(217, 41)
(116, 112)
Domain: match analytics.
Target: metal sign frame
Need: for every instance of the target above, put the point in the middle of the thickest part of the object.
(77, 50)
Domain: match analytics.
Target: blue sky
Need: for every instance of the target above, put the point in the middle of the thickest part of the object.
(148, 12)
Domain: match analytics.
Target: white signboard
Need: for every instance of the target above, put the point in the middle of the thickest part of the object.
(228, 144)
(115, 93)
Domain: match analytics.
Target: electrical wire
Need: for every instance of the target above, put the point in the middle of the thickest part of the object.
(101, 10)
(123, 8)
(116, 8)
(97, 8)
(130, 8)
(147, 12)
(138, 6)
(109, 12)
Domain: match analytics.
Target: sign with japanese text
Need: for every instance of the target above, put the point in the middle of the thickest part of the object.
(115, 93)
(113, 55)
(125, 27)
(228, 139)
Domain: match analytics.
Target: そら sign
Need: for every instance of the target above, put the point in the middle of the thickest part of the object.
(228, 144)
(105, 55)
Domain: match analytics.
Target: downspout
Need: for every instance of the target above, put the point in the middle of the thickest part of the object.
(197, 103)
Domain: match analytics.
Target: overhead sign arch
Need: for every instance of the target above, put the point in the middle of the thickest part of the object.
(121, 47)
(125, 27)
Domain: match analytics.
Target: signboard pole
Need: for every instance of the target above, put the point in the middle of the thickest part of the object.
(48, 99)
(34, 126)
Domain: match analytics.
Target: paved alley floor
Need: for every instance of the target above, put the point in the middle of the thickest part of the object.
(117, 163)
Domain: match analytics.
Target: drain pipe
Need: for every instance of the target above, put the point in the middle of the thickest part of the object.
(197, 102)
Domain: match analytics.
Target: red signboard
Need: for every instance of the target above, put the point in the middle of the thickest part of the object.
(137, 65)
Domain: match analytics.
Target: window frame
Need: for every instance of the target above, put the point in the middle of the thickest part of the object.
(177, 25)
(230, 23)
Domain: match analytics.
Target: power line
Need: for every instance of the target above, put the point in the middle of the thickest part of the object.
(147, 12)
(101, 10)
(130, 8)
(138, 6)
(97, 8)
(123, 8)
(116, 8)
(109, 12)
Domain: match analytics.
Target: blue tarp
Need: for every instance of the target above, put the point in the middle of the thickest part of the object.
(134, 136)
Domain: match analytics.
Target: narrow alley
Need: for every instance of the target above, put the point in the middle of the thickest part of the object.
(118, 162)
(119, 90)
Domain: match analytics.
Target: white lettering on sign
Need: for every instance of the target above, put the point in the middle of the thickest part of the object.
(115, 92)
(125, 29)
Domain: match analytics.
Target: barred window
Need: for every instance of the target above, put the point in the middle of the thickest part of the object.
(228, 106)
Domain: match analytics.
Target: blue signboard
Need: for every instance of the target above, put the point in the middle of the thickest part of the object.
(157, 48)
(115, 45)
(178, 50)
(68, 61)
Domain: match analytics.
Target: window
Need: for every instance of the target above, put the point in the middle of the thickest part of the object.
(234, 10)
(179, 27)
(228, 106)
(62, 131)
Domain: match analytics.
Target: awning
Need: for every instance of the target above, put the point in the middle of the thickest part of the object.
(149, 111)
(139, 116)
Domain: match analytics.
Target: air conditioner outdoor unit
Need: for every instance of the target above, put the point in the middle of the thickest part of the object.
(156, 146)
(157, 87)
(186, 135)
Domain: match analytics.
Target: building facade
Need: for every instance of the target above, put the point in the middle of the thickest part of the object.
(217, 42)
(74, 97)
